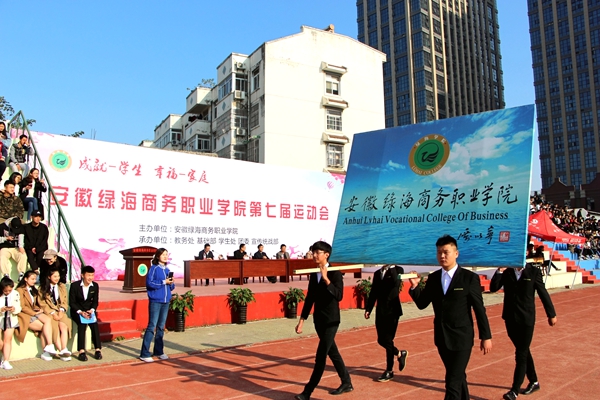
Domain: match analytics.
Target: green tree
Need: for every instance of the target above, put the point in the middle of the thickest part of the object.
(7, 111)
(77, 134)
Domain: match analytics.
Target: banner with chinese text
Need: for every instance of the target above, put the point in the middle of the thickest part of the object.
(119, 196)
(468, 177)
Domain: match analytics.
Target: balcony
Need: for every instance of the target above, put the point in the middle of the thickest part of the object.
(197, 127)
(198, 101)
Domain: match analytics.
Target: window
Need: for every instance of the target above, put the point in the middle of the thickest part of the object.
(254, 120)
(402, 83)
(540, 90)
(561, 10)
(567, 65)
(400, 27)
(588, 139)
(536, 39)
(387, 88)
(578, 23)
(557, 125)
(225, 87)
(371, 5)
(332, 84)
(255, 79)
(441, 82)
(590, 159)
(543, 128)
(418, 59)
(544, 147)
(387, 50)
(583, 80)
(385, 17)
(334, 120)
(559, 163)
(549, 34)
(398, 9)
(404, 119)
(403, 102)
(241, 83)
(253, 147)
(574, 161)
(534, 20)
(563, 28)
(573, 142)
(587, 120)
(572, 122)
(335, 155)
(400, 45)
(585, 100)
(542, 110)
(547, 15)
(565, 47)
(373, 39)
(582, 61)
(590, 175)
(387, 69)
(559, 145)
(385, 34)
(203, 144)
(401, 64)
(372, 21)
(360, 13)
(389, 106)
(568, 83)
(570, 104)
(420, 99)
(580, 42)
(576, 178)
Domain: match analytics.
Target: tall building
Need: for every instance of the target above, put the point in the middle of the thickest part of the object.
(443, 56)
(295, 101)
(565, 48)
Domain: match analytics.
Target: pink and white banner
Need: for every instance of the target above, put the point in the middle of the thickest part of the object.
(119, 196)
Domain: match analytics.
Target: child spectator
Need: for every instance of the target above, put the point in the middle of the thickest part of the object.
(32, 317)
(83, 299)
(10, 307)
(53, 301)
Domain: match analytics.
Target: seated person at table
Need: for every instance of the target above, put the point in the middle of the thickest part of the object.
(53, 301)
(32, 317)
(309, 254)
(240, 254)
(261, 255)
(83, 299)
(283, 254)
(206, 254)
(10, 304)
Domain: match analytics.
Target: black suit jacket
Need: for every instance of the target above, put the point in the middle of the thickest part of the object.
(386, 292)
(77, 302)
(519, 295)
(259, 255)
(239, 255)
(453, 321)
(202, 256)
(325, 298)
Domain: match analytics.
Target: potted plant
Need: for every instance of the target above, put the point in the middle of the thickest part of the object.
(238, 299)
(292, 298)
(362, 290)
(181, 304)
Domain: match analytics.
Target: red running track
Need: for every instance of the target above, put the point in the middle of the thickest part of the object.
(566, 357)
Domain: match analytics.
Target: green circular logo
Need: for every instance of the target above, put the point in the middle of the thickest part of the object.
(142, 269)
(429, 154)
(60, 160)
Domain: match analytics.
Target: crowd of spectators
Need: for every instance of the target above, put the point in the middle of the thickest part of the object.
(578, 222)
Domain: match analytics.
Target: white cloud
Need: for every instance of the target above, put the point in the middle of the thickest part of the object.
(505, 168)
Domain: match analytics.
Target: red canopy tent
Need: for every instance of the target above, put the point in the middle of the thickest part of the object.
(540, 225)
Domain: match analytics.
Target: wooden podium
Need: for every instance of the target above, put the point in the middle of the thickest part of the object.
(137, 265)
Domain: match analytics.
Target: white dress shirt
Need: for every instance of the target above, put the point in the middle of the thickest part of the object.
(447, 277)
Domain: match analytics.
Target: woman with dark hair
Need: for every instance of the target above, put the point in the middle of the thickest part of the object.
(159, 283)
(53, 301)
(16, 178)
(27, 196)
(39, 187)
(32, 317)
(10, 307)
(3, 148)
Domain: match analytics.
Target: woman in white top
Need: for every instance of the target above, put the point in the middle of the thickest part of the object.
(10, 307)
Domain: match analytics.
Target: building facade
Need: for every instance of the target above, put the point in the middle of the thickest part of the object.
(565, 48)
(295, 101)
(443, 56)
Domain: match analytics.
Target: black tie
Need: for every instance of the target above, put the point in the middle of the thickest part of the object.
(53, 295)
(5, 313)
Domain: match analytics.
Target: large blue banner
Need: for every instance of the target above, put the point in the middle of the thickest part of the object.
(468, 177)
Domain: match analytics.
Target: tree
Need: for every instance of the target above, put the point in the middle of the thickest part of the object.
(207, 83)
(77, 134)
(6, 112)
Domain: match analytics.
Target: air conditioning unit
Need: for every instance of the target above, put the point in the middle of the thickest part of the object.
(175, 142)
(240, 65)
(240, 132)
(239, 95)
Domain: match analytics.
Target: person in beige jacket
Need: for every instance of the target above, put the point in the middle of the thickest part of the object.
(10, 307)
(53, 301)
(33, 318)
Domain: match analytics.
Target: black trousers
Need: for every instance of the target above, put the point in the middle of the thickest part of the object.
(456, 376)
(81, 330)
(386, 332)
(521, 336)
(35, 260)
(326, 347)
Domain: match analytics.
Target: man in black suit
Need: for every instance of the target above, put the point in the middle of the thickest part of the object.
(325, 291)
(261, 255)
(385, 292)
(206, 254)
(36, 240)
(240, 254)
(518, 312)
(83, 302)
(454, 291)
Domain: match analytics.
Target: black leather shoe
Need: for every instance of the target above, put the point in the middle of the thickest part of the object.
(344, 388)
(402, 359)
(98, 355)
(386, 376)
(532, 387)
(82, 357)
(302, 396)
(510, 396)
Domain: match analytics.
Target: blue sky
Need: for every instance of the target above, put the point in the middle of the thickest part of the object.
(120, 67)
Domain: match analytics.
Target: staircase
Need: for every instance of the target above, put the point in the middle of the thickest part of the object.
(115, 321)
(568, 265)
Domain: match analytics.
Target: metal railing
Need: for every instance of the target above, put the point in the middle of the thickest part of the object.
(54, 215)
